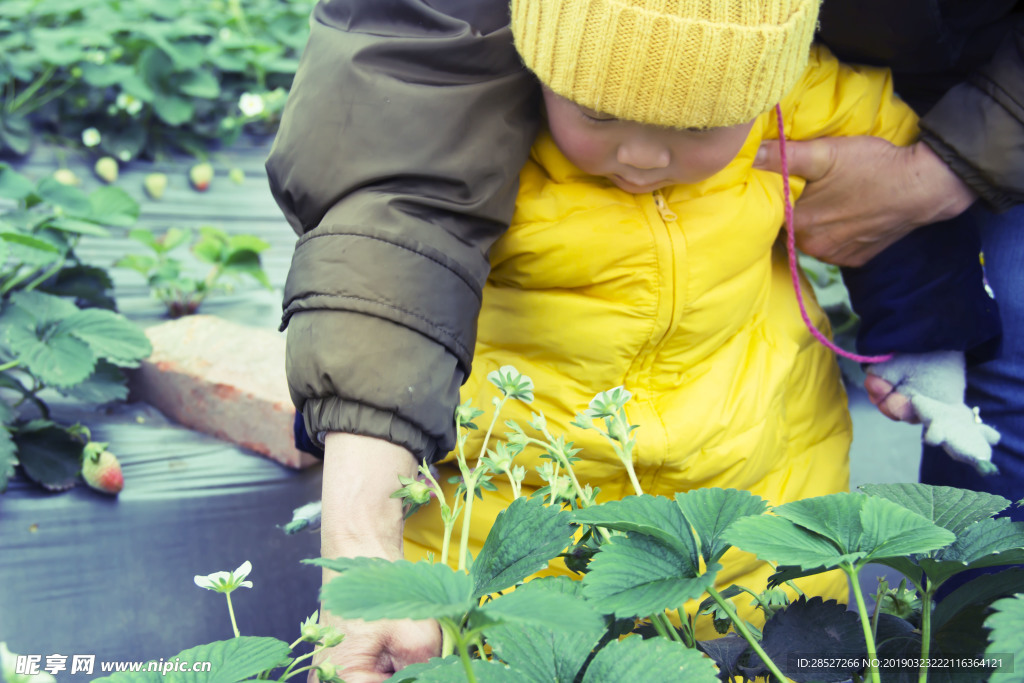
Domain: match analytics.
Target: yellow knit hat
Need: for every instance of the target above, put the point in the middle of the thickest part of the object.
(675, 63)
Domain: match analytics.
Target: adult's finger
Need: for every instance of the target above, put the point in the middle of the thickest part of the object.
(808, 159)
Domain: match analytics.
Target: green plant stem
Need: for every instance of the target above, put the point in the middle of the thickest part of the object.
(32, 89)
(46, 275)
(466, 519)
(673, 634)
(289, 670)
(12, 364)
(687, 629)
(231, 613)
(50, 95)
(449, 628)
(297, 672)
(659, 627)
(741, 628)
(862, 612)
(926, 630)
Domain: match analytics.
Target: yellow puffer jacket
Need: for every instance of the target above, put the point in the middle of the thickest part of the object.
(684, 297)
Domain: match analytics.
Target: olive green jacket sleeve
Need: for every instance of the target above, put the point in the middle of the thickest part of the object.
(977, 128)
(397, 163)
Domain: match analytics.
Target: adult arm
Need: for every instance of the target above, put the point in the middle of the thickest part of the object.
(863, 194)
(397, 162)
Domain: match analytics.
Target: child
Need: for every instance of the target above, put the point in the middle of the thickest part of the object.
(643, 252)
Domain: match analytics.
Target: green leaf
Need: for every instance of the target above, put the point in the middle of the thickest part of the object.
(656, 660)
(545, 653)
(835, 517)
(8, 457)
(15, 133)
(87, 284)
(105, 385)
(13, 185)
(711, 511)
(139, 263)
(110, 335)
(951, 508)
(988, 543)
(247, 243)
(105, 75)
(813, 627)
(172, 109)
(1007, 624)
(49, 456)
(524, 538)
(779, 540)
(891, 530)
(198, 83)
(33, 243)
(77, 226)
(636, 576)
(373, 588)
(544, 606)
(111, 205)
(56, 359)
(237, 659)
(978, 591)
(655, 516)
(71, 199)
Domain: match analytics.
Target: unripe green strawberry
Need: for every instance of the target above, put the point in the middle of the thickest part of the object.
(200, 175)
(106, 168)
(155, 184)
(237, 176)
(65, 176)
(102, 471)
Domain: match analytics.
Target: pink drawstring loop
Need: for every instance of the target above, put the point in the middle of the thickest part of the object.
(793, 268)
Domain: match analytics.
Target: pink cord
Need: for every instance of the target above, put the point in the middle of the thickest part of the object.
(791, 250)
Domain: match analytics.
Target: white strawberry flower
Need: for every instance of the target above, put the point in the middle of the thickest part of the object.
(225, 582)
(91, 137)
(251, 104)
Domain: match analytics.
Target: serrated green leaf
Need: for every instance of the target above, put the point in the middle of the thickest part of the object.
(711, 511)
(87, 284)
(379, 589)
(524, 538)
(111, 205)
(637, 576)
(656, 660)
(541, 606)
(47, 252)
(13, 185)
(413, 672)
(655, 516)
(49, 456)
(8, 457)
(237, 659)
(1007, 624)
(951, 508)
(835, 517)
(779, 540)
(891, 530)
(986, 543)
(812, 627)
(58, 360)
(109, 335)
(71, 199)
(540, 653)
(105, 75)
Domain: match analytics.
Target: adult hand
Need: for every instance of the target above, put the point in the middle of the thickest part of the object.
(891, 403)
(375, 650)
(864, 193)
(360, 519)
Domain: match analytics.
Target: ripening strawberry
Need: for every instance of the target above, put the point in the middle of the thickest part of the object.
(200, 175)
(102, 471)
(106, 168)
(155, 184)
(65, 176)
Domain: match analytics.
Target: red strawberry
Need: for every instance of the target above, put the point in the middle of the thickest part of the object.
(101, 470)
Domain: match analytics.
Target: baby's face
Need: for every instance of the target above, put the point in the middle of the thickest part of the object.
(639, 158)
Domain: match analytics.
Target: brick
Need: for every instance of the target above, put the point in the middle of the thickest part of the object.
(223, 379)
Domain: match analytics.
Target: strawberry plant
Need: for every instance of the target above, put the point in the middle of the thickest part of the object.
(649, 569)
(58, 328)
(134, 79)
(230, 257)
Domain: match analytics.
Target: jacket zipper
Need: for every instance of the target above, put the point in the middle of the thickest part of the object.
(667, 214)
